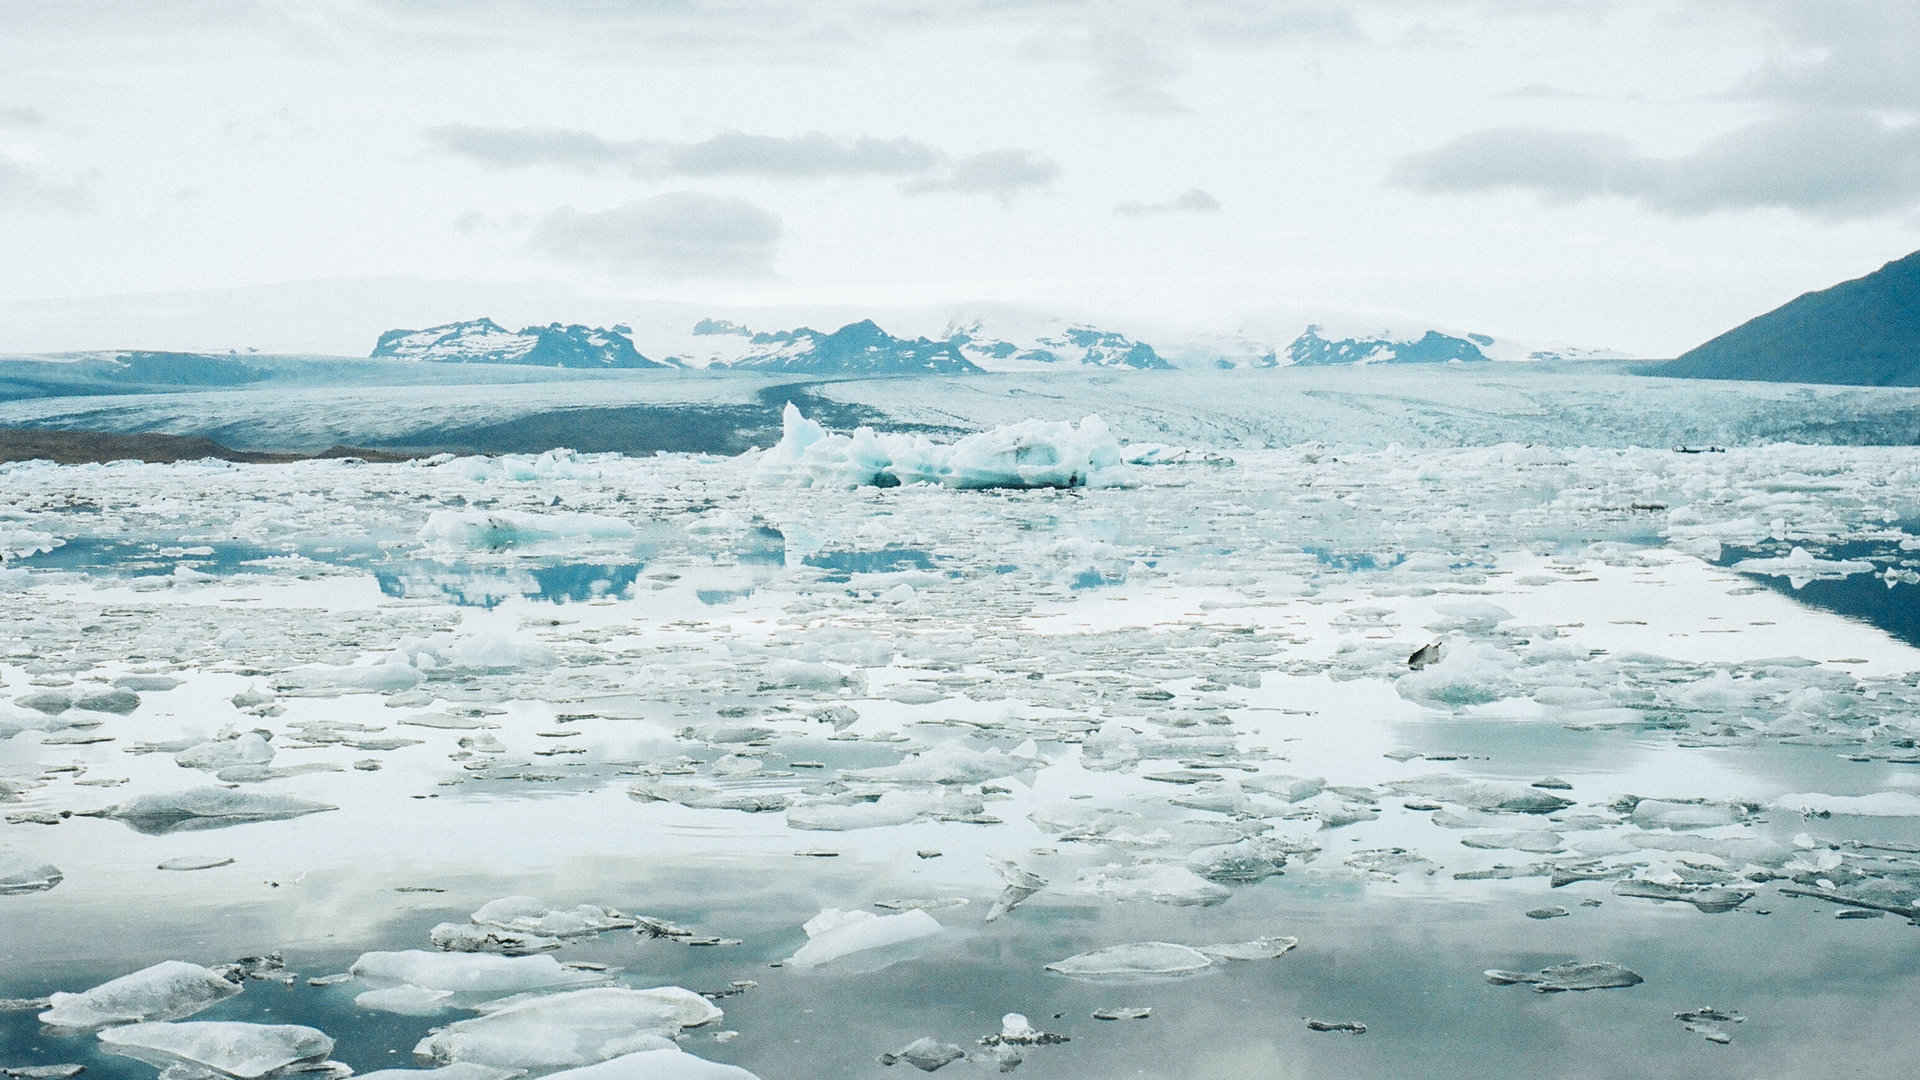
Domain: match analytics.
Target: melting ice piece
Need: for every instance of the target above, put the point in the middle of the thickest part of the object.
(1163, 883)
(1682, 814)
(209, 808)
(1801, 566)
(666, 1063)
(466, 937)
(1144, 958)
(456, 1071)
(405, 1000)
(579, 1027)
(530, 916)
(23, 873)
(926, 1054)
(1021, 884)
(169, 990)
(1572, 975)
(1877, 804)
(243, 748)
(1710, 1023)
(470, 972)
(835, 933)
(1710, 900)
(1030, 454)
(495, 529)
(245, 1051)
(1263, 948)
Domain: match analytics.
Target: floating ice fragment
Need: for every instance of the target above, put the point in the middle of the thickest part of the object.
(1800, 567)
(1138, 959)
(1710, 1023)
(456, 1071)
(241, 1050)
(238, 748)
(169, 990)
(195, 862)
(469, 972)
(1708, 899)
(466, 937)
(835, 933)
(665, 1063)
(579, 1027)
(1163, 883)
(405, 1000)
(925, 1054)
(209, 808)
(1029, 454)
(496, 529)
(1572, 975)
(527, 915)
(1877, 804)
(1682, 814)
(1264, 948)
(1123, 1012)
(1351, 1027)
(1021, 884)
(23, 873)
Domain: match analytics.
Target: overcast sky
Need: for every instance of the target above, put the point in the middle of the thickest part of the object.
(1629, 173)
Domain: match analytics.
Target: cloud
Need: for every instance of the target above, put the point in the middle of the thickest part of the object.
(1000, 173)
(511, 147)
(1190, 201)
(1832, 167)
(1846, 53)
(24, 184)
(812, 154)
(21, 116)
(679, 234)
(732, 153)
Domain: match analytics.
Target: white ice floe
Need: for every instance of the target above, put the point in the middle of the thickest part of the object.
(527, 915)
(1144, 958)
(1877, 804)
(234, 748)
(228, 1047)
(210, 808)
(1029, 454)
(470, 972)
(579, 1027)
(24, 873)
(169, 990)
(835, 933)
(405, 1000)
(455, 1071)
(665, 1063)
(1163, 883)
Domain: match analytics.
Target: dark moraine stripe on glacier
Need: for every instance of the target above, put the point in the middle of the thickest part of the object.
(1865, 597)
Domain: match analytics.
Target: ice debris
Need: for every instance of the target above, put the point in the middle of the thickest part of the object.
(1710, 1023)
(1154, 958)
(665, 1063)
(1020, 884)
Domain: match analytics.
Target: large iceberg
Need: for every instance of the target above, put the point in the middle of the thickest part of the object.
(1029, 454)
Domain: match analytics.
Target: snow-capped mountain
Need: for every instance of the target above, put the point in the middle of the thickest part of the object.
(994, 348)
(859, 348)
(483, 341)
(1356, 341)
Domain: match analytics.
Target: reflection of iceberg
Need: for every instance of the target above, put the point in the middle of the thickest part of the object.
(486, 587)
(1029, 454)
(1800, 566)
